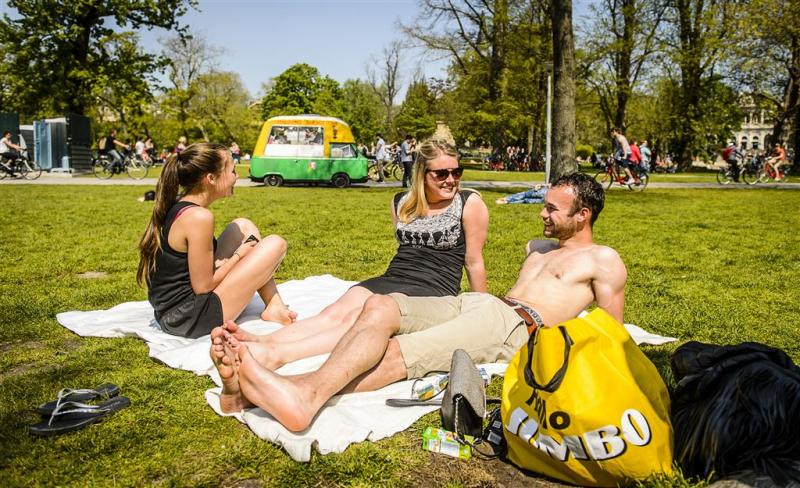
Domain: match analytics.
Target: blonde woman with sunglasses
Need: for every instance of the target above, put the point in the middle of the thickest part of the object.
(440, 229)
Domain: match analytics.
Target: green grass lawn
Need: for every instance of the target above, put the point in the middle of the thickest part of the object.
(474, 173)
(709, 265)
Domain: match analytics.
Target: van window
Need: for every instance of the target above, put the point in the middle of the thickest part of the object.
(339, 150)
(295, 141)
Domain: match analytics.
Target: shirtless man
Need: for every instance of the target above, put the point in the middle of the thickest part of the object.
(398, 337)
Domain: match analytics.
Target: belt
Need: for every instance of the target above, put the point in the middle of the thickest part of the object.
(530, 322)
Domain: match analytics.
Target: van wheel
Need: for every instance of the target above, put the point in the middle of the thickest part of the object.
(341, 180)
(274, 180)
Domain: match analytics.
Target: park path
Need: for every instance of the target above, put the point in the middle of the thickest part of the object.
(51, 179)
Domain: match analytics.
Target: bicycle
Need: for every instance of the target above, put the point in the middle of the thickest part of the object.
(104, 167)
(20, 167)
(768, 172)
(611, 174)
(748, 173)
(390, 169)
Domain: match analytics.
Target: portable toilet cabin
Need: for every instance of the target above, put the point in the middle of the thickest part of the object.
(63, 144)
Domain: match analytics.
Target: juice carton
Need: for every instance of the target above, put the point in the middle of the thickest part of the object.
(445, 442)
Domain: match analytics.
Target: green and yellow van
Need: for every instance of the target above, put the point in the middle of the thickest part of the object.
(307, 149)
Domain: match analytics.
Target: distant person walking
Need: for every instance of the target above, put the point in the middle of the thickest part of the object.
(181, 145)
(380, 156)
(407, 159)
(236, 152)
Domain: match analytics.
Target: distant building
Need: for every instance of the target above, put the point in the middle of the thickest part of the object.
(756, 130)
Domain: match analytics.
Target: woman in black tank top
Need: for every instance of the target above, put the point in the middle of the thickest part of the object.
(196, 282)
(440, 229)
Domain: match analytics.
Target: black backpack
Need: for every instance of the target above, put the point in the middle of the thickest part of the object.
(736, 409)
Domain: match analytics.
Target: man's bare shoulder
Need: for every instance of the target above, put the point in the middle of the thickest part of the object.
(540, 246)
(607, 258)
(605, 252)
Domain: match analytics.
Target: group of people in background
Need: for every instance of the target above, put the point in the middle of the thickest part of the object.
(404, 153)
(144, 147)
(735, 156)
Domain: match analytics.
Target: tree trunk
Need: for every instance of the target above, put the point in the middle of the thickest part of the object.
(564, 90)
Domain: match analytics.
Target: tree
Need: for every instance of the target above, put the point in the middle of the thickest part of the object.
(417, 114)
(384, 78)
(61, 51)
(496, 88)
(362, 110)
(619, 45)
(702, 29)
(563, 90)
(767, 63)
(475, 35)
(190, 57)
(219, 109)
(301, 89)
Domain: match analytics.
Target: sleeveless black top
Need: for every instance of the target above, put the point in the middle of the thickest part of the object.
(430, 255)
(169, 285)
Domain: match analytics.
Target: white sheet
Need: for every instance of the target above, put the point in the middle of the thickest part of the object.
(345, 419)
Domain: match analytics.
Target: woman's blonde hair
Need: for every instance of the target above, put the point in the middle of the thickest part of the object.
(185, 170)
(417, 204)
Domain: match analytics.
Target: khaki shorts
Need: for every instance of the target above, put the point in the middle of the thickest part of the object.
(431, 328)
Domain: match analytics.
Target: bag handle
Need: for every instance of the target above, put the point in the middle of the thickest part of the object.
(557, 378)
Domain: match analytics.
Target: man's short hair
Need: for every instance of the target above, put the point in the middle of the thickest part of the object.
(588, 193)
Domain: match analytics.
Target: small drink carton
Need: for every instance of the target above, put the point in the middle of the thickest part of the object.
(445, 442)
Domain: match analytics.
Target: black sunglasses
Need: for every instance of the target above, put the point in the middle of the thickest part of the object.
(442, 174)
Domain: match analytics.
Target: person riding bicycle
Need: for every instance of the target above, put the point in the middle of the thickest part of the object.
(777, 159)
(8, 151)
(622, 153)
(731, 155)
(108, 146)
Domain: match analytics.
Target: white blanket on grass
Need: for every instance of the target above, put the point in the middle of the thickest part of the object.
(345, 419)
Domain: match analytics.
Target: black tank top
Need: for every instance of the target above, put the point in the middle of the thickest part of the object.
(432, 249)
(169, 284)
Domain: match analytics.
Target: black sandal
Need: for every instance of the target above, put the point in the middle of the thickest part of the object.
(102, 392)
(69, 416)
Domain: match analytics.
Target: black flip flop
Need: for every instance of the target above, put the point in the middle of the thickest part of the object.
(102, 392)
(69, 416)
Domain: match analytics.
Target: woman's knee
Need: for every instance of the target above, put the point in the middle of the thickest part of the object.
(246, 227)
(381, 305)
(274, 245)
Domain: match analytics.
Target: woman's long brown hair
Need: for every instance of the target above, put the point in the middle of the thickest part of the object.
(185, 170)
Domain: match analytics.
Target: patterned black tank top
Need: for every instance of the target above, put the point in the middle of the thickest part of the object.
(432, 249)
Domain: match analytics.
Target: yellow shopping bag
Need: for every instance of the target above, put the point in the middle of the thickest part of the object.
(581, 403)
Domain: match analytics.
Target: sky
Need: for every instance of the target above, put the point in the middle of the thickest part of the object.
(262, 38)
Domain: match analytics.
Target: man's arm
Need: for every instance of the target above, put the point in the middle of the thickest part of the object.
(608, 282)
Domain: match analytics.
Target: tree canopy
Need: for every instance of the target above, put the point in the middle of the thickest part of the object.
(60, 56)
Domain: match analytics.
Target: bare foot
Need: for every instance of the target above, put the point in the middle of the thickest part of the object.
(241, 334)
(500, 201)
(266, 354)
(279, 313)
(279, 396)
(226, 361)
